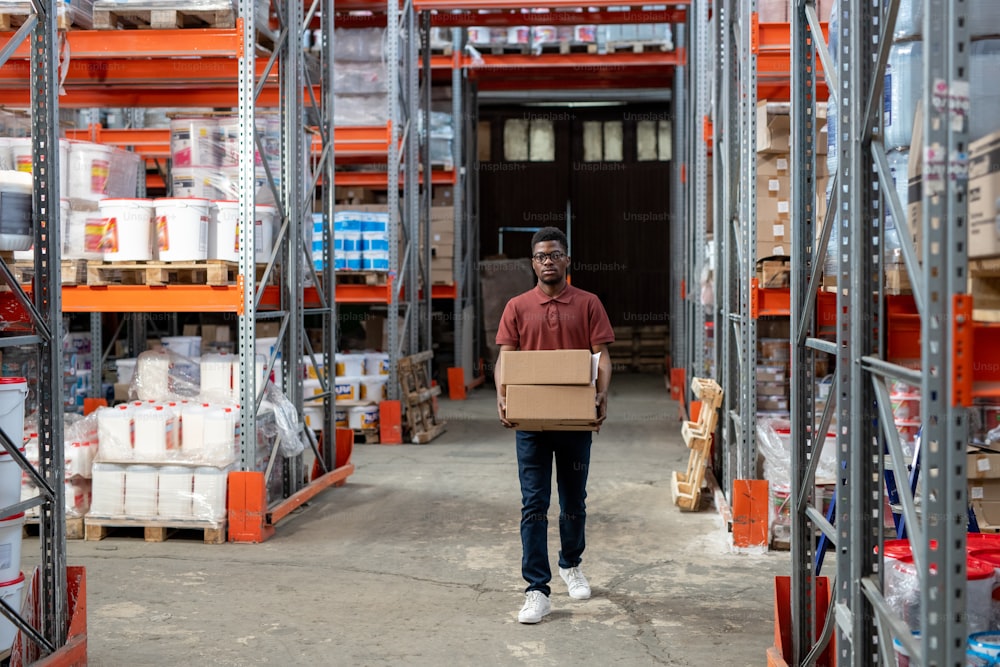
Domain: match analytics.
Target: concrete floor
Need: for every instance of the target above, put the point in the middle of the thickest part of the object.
(416, 561)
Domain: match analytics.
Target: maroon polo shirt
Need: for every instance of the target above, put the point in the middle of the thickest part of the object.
(573, 320)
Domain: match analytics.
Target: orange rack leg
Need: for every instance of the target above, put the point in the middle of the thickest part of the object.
(248, 508)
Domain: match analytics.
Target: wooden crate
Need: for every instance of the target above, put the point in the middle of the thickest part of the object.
(419, 398)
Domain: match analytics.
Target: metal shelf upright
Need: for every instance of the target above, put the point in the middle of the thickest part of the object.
(734, 152)
(864, 624)
(46, 626)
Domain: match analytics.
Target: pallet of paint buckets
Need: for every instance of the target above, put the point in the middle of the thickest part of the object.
(153, 530)
(114, 14)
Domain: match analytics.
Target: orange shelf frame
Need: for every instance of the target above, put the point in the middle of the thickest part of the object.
(376, 179)
(774, 58)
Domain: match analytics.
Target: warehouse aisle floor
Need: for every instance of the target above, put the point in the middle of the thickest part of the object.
(416, 561)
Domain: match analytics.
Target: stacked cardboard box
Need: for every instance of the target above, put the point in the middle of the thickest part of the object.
(983, 471)
(549, 390)
(773, 359)
(774, 181)
(442, 245)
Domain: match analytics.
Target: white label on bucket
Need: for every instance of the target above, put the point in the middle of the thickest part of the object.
(983, 464)
(5, 550)
(977, 493)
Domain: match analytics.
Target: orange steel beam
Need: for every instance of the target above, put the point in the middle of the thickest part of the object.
(515, 18)
(451, 5)
(223, 95)
(585, 64)
(361, 179)
(159, 298)
(310, 491)
(128, 44)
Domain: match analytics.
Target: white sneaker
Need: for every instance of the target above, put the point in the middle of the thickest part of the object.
(536, 607)
(577, 584)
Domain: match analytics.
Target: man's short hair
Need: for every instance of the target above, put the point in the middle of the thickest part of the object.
(549, 234)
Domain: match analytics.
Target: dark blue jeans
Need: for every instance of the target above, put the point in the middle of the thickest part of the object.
(535, 452)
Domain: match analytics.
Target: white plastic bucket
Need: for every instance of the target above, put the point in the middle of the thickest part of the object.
(220, 434)
(209, 502)
(16, 217)
(362, 416)
(217, 376)
(108, 490)
(193, 142)
(186, 346)
(10, 478)
(175, 487)
(311, 387)
(115, 433)
(12, 393)
(519, 35)
(224, 231)
(373, 387)
(21, 159)
(89, 168)
(11, 592)
(350, 364)
(312, 416)
(83, 234)
(263, 239)
(340, 417)
(376, 363)
(347, 388)
(125, 369)
(127, 229)
(193, 430)
(153, 432)
(181, 229)
(10, 546)
(140, 491)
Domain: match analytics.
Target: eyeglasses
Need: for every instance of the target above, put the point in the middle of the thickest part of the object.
(555, 256)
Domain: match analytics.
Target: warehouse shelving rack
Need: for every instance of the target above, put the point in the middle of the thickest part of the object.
(858, 615)
(230, 74)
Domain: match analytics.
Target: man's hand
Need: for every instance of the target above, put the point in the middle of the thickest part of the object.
(601, 402)
(502, 410)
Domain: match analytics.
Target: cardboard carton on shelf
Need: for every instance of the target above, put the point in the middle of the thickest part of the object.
(984, 196)
(983, 472)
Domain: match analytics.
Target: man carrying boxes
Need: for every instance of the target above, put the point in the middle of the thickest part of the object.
(552, 382)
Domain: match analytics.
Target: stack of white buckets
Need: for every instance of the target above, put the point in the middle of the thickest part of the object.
(360, 377)
(13, 391)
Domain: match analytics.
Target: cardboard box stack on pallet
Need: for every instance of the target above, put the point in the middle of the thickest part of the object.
(640, 348)
(774, 182)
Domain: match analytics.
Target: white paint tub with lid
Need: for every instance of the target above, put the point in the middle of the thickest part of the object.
(224, 230)
(13, 391)
(16, 217)
(181, 229)
(10, 546)
(362, 417)
(11, 592)
(21, 159)
(263, 239)
(89, 169)
(10, 478)
(128, 224)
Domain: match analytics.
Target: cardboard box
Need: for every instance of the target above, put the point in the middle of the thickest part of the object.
(983, 472)
(546, 367)
(773, 130)
(914, 180)
(983, 193)
(775, 165)
(442, 195)
(551, 407)
(772, 389)
(773, 272)
(773, 372)
(442, 276)
(441, 215)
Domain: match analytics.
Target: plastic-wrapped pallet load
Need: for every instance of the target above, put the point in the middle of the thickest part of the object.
(982, 18)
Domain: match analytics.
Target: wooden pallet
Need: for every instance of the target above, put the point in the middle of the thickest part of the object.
(11, 18)
(98, 528)
(366, 436)
(361, 277)
(419, 398)
(686, 486)
(73, 271)
(74, 527)
(207, 272)
(638, 46)
(156, 16)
